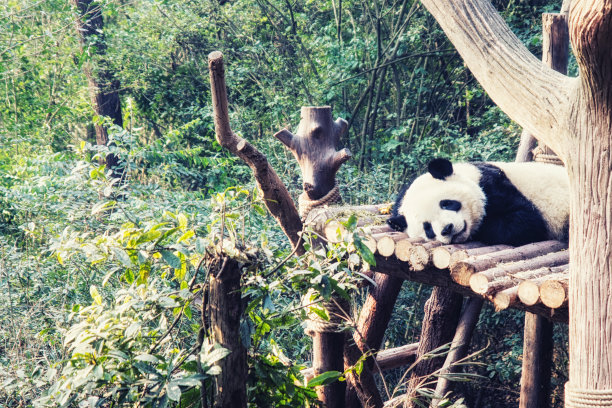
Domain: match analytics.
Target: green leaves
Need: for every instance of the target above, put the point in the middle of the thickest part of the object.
(326, 378)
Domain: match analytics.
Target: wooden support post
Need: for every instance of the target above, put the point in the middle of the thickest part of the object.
(327, 355)
(373, 320)
(537, 359)
(460, 344)
(439, 324)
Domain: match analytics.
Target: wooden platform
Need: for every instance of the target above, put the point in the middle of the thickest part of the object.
(532, 278)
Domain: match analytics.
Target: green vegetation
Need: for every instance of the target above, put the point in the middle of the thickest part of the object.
(100, 276)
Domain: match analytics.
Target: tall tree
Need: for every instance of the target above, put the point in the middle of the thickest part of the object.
(574, 117)
(103, 84)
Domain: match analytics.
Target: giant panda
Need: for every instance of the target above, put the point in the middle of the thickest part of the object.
(490, 202)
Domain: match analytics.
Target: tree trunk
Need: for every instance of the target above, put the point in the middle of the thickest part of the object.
(574, 117)
(225, 311)
(103, 85)
(589, 163)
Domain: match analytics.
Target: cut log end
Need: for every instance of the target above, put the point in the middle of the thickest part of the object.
(461, 273)
(215, 56)
(385, 246)
(479, 283)
(419, 257)
(553, 293)
(402, 250)
(529, 293)
(441, 257)
(334, 231)
(506, 298)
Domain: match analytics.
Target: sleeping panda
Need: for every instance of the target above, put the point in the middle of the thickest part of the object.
(494, 203)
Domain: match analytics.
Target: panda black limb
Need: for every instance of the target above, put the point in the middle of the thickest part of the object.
(495, 203)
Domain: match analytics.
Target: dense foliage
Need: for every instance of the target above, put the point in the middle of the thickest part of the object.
(100, 276)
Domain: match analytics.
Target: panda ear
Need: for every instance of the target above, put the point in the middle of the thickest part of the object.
(440, 168)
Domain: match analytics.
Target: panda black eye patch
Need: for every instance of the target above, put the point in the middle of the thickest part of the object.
(429, 232)
(451, 205)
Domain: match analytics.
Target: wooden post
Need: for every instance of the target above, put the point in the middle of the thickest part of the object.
(225, 310)
(442, 312)
(327, 355)
(373, 321)
(460, 344)
(538, 341)
(314, 147)
(537, 359)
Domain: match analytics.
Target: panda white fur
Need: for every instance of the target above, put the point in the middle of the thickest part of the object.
(494, 203)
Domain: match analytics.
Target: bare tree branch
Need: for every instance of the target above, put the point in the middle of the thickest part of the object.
(276, 197)
(530, 93)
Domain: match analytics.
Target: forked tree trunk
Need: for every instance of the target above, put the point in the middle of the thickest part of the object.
(574, 117)
(103, 84)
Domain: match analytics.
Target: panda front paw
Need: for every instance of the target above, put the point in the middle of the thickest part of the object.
(398, 223)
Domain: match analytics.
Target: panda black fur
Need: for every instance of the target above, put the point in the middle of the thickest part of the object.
(494, 203)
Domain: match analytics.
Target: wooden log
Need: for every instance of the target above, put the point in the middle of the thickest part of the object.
(385, 243)
(420, 255)
(466, 253)
(505, 298)
(441, 256)
(225, 311)
(530, 266)
(529, 290)
(381, 229)
(553, 292)
(526, 269)
(385, 359)
(327, 355)
(463, 270)
(460, 344)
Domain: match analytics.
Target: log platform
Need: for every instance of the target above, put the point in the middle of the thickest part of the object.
(531, 278)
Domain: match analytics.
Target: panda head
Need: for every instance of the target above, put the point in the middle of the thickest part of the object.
(446, 204)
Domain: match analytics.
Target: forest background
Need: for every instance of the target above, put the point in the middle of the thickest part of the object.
(97, 275)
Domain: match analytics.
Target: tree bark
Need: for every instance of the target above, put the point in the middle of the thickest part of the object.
(225, 310)
(371, 326)
(276, 197)
(327, 355)
(314, 148)
(442, 312)
(103, 84)
(573, 116)
(537, 360)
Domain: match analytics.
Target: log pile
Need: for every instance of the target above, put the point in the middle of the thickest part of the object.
(532, 277)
